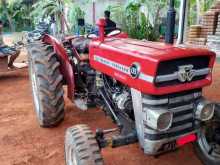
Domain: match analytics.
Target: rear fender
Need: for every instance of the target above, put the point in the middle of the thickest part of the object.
(66, 68)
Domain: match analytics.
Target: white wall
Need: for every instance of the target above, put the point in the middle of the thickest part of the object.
(100, 7)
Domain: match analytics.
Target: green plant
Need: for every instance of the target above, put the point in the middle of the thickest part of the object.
(197, 8)
(15, 14)
(134, 19)
(48, 8)
(75, 13)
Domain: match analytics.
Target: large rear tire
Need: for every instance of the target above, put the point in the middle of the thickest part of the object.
(46, 82)
(81, 147)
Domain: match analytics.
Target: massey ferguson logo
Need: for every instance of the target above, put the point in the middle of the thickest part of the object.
(135, 70)
(186, 73)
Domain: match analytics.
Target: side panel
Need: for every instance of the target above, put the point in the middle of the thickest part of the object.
(139, 117)
(65, 65)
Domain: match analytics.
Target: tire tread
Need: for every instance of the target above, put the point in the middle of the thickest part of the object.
(84, 144)
(49, 80)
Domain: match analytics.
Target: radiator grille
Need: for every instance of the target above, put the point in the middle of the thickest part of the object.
(182, 105)
(167, 70)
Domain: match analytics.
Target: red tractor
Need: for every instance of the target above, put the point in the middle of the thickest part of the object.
(152, 91)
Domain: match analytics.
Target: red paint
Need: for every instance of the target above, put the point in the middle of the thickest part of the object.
(101, 24)
(148, 54)
(186, 139)
(125, 51)
(65, 65)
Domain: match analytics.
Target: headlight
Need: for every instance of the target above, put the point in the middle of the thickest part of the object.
(205, 110)
(159, 119)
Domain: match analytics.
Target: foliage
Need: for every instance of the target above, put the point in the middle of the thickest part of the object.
(15, 14)
(48, 8)
(131, 16)
(197, 8)
(75, 13)
(139, 18)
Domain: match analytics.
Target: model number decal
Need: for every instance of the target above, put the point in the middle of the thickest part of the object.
(112, 64)
(133, 70)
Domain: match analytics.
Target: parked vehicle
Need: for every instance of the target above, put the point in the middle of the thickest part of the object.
(6, 51)
(152, 91)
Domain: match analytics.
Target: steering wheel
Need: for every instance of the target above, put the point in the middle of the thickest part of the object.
(114, 32)
(91, 36)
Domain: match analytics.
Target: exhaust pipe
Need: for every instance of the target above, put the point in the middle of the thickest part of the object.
(101, 24)
(171, 16)
(183, 21)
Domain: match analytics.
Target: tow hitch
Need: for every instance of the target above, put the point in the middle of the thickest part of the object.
(115, 140)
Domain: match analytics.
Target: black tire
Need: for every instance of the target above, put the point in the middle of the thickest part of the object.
(202, 145)
(46, 81)
(81, 147)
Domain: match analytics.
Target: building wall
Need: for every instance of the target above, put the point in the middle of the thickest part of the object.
(100, 7)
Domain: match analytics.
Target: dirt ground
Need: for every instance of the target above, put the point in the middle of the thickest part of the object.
(23, 142)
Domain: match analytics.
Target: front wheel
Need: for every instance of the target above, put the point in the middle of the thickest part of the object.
(81, 147)
(207, 146)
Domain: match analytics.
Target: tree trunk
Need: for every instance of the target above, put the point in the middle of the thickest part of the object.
(66, 23)
(198, 11)
(156, 20)
(62, 23)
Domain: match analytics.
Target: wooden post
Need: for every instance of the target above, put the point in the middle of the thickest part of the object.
(93, 13)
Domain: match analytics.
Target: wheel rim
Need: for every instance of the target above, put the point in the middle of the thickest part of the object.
(35, 89)
(207, 140)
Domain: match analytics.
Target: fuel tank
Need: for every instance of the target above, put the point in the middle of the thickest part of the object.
(152, 67)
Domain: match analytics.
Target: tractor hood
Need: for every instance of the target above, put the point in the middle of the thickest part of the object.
(152, 67)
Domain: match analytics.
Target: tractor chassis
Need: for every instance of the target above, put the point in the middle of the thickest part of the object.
(123, 135)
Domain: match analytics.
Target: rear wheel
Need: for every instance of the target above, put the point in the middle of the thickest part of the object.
(81, 147)
(46, 82)
(207, 146)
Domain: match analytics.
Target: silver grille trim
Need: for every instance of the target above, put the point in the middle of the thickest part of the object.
(180, 104)
(175, 119)
(183, 117)
(175, 129)
(173, 100)
(174, 110)
(174, 76)
(181, 108)
(183, 98)
(155, 102)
